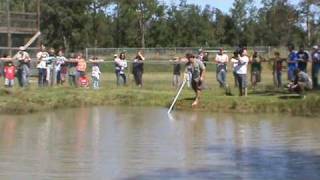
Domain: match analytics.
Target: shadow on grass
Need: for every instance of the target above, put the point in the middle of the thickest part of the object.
(245, 163)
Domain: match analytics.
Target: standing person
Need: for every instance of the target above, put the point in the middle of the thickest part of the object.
(315, 66)
(221, 60)
(42, 57)
(197, 70)
(255, 69)
(23, 59)
(81, 66)
(72, 71)
(120, 67)
(234, 61)
(95, 77)
(277, 70)
(50, 67)
(9, 73)
(292, 62)
(137, 68)
(241, 71)
(303, 58)
(205, 58)
(176, 72)
(60, 68)
(95, 73)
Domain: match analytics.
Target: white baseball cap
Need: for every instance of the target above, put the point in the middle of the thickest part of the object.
(21, 48)
(315, 47)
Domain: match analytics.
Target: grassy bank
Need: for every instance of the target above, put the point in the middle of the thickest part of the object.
(157, 92)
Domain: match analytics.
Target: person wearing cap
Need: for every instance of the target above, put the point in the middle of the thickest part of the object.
(197, 71)
(23, 59)
(221, 60)
(315, 56)
(301, 83)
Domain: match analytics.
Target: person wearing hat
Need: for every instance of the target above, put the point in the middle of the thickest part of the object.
(315, 55)
(23, 59)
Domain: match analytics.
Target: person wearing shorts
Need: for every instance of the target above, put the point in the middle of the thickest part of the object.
(197, 70)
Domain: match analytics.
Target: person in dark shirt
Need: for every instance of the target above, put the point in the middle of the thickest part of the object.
(277, 69)
(137, 68)
(303, 58)
(176, 72)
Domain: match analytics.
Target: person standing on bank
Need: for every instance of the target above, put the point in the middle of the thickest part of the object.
(292, 63)
(50, 67)
(59, 68)
(303, 58)
(255, 69)
(42, 56)
(137, 68)
(241, 71)
(197, 70)
(222, 60)
(315, 66)
(120, 67)
(23, 59)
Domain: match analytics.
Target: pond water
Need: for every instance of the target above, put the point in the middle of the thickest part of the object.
(144, 143)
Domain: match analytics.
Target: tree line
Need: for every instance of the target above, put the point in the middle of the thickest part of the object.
(76, 24)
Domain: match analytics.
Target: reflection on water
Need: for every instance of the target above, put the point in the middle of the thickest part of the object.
(143, 143)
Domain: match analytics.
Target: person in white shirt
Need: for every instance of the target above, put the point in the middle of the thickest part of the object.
(59, 68)
(42, 56)
(120, 67)
(241, 72)
(221, 60)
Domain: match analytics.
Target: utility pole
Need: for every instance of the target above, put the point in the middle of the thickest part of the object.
(38, 21)
(141, 23)
(9, 28)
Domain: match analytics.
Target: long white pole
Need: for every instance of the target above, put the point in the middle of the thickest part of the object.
(175, 99)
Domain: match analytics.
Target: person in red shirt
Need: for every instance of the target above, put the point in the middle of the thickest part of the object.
(9, 72)
(83, 81)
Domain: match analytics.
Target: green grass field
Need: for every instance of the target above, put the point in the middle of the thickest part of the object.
(158, 91)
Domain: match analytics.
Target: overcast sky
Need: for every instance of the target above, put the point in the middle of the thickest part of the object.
(223, 5)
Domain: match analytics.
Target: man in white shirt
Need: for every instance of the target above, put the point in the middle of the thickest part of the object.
(42, 57)
(241, 72)
(221, 60)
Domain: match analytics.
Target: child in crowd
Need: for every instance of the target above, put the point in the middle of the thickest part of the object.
(95, 73)
(277, 70)
(176, 72)
(83, 81)
(60, 68)
(10, 71)
(96, 76)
